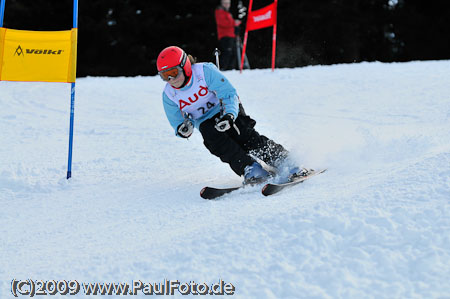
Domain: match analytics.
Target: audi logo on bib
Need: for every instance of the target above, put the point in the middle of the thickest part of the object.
(203, 91)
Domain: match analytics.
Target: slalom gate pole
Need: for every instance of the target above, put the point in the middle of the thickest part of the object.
(72, 114)
(274, 36)
(2, 12)
(72, 100)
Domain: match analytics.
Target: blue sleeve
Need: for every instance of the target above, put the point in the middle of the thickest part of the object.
(173, 113)
(223, 89)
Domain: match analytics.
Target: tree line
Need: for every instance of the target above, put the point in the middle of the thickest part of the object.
(124, 37)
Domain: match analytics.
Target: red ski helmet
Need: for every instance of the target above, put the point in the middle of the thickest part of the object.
(171, 57)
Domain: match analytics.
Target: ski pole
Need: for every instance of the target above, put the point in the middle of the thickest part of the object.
(217, 53)
(222, 114)
(187, 119)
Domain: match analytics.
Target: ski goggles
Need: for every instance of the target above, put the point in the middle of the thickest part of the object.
(171, 73)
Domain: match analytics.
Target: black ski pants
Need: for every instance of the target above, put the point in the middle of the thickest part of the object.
(236, 148)
(228, 52)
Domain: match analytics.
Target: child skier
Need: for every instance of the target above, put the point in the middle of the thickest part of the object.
(198, 95)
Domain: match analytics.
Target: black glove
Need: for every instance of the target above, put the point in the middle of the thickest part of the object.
(185, 129)
(225, 122)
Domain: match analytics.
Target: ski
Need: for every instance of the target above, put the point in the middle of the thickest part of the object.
(272, 188)
(212, 193)
(268, 189)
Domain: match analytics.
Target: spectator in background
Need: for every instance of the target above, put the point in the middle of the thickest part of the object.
(226, 33)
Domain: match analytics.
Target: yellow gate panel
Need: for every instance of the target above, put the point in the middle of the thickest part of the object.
(47, 56)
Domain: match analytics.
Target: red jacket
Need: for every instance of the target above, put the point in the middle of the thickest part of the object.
(225, 23)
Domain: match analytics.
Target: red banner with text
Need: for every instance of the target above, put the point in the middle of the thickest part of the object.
(262, 18)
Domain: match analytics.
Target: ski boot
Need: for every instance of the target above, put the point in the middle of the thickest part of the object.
(255, 174)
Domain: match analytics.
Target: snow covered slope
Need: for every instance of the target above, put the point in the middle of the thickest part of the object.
(375, 225)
